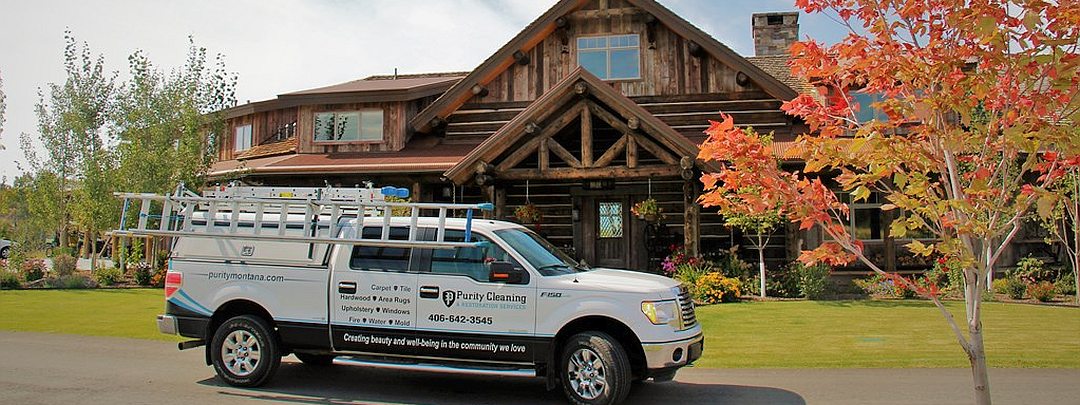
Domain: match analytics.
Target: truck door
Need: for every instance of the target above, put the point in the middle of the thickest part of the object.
(466, 315)
(373, 297)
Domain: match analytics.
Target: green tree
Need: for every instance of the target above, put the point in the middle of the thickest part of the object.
(3, 105)
(71, 121)
(163, 120)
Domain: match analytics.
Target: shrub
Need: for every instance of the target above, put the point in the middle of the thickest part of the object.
(814, 281)
(1001, 285)
(1033, 270)
(143, 273)
(64, 265)
(1042, 291)
(9, 280)
(713, 287)
(108, 276)
(71, 282)
(1066, 285)
(731, 266)
(879, 286)
(1014, 287)
(158, 280)
(33, 269)
(782, 282)
(947, 275)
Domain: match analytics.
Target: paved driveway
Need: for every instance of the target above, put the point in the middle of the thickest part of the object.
(49, 369)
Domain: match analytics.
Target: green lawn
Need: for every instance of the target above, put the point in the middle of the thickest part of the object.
(883, 334)
(125, 313)
(750, 334)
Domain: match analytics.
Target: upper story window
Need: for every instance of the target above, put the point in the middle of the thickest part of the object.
(349, 126)
(243, 138)
(611, 57)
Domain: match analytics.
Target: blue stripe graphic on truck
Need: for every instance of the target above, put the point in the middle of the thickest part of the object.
(193, 306)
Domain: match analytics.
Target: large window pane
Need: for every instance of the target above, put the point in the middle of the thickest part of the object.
(595, 62)
(243, 138)
(624, 64)
(867, 223)
(371, 128)
(347, 126)
(324, 126)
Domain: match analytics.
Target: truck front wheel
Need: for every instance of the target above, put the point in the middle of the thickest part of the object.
(244, 351)
(595, 369)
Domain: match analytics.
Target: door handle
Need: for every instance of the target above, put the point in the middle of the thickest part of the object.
(347, 287)
(429, 291)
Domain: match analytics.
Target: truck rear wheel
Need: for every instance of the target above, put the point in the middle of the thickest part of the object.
(595, 370)
(244, 352)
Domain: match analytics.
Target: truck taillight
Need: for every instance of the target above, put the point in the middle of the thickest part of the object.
(173, 281)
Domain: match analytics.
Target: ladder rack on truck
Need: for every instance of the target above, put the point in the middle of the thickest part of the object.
(228, 212)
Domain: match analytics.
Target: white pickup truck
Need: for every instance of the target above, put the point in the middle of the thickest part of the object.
(504, 301)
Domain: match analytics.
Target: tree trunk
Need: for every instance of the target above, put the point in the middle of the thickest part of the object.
(93, 252)
(761, 268)
(976, 351)
(979, 371)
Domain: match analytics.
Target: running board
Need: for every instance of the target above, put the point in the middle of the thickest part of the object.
(438, 368)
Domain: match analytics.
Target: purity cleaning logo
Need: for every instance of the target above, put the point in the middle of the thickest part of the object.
(490, 299)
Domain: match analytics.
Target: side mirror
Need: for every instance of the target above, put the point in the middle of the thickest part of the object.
(503, 272)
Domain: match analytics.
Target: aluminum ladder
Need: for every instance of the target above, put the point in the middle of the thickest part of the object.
(221, 212)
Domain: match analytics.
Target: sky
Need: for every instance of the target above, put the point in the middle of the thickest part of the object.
(279, 46)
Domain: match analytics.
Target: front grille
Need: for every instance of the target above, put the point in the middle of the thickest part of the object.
(689, 318)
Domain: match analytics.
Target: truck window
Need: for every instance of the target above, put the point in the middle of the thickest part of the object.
(471, 262)
(375, 258)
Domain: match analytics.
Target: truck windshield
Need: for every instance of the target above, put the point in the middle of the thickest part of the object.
(541, 254)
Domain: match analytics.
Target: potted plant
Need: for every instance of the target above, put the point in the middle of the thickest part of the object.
(647, 210)
(528, 214)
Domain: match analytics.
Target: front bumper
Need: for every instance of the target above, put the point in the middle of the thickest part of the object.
(673, 354)
(166, 324)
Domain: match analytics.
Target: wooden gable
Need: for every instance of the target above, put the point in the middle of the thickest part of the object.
(554, 138)
(676, 59)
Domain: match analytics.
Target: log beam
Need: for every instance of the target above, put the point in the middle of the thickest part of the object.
(542, 154)
(562, 153)
(631, 152)
(611, 153)
(562, 173)
(586, 138)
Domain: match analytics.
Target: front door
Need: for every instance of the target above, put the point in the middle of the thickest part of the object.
(610, 232)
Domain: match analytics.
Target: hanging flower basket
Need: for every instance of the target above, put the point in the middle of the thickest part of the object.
(528, 214)
(648, 210)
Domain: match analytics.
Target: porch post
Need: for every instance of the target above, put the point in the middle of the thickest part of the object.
(690, 218)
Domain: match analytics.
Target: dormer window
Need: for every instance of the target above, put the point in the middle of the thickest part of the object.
(349, 126)
(243, 138)
(613, 57)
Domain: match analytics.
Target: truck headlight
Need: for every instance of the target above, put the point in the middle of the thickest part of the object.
(660, 312)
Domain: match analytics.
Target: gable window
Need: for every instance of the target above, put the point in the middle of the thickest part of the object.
(611, 57)
(243, 138)
(349, 126)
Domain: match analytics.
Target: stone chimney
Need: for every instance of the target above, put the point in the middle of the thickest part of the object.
(774, 32)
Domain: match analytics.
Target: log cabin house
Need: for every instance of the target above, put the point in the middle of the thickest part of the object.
(593, 107)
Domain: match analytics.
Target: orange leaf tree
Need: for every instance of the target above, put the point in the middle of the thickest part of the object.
(969, 93)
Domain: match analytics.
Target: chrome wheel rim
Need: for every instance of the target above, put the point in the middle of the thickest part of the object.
(241, 352)
(586, 373)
